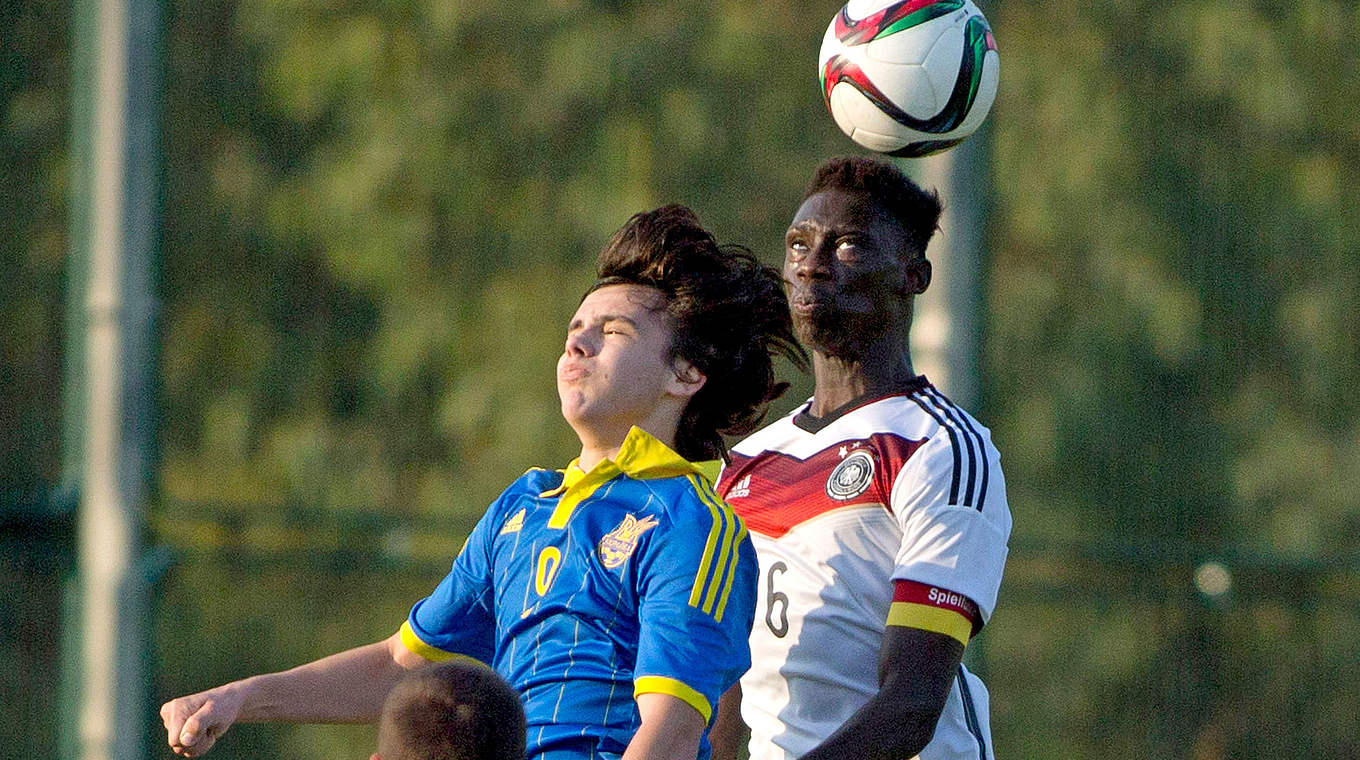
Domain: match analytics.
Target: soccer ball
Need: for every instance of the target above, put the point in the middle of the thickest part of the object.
(909, 77)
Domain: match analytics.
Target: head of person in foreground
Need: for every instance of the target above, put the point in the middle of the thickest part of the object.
(458, 710)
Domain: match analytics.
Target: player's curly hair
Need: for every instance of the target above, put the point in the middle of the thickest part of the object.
(917, 211)
(728, 315)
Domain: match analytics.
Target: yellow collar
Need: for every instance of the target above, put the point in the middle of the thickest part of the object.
(642, 457)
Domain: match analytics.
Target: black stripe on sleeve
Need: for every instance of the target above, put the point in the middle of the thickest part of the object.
(950, 413)
(969, 429)
(953, 444)
(970, 714)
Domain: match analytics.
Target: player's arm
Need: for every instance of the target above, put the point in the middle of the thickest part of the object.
(670, 730)
(928, 625)
(915, 672)
(697, 581)
(729, 732)
(348, 687)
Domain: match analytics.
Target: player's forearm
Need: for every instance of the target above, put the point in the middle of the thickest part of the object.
(729, 732)
(916, 672)
(880, 730)
(670, 730)
(348, 687)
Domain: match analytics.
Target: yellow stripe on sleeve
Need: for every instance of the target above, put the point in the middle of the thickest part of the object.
(724, 551)
(696, 594)
(736, 556)
(731, 551)
(677, 689)
(411, 641)
(930, 618)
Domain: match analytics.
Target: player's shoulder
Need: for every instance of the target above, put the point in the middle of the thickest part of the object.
(942, 410)
(535, 481)
(685, 508)
(944, 425)
(957, 464)
(918, 412)
(689, 516)
(681, 498)
(921, 413)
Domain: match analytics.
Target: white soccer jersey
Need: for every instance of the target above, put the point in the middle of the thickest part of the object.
(901, 487)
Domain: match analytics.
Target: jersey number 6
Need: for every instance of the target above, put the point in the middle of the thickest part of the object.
(778, 627)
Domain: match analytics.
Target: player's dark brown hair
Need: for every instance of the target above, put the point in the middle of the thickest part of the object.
(916, 211)
(452, 711)
(728, 315)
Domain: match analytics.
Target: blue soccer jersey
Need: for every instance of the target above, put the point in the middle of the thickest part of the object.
(585, 589)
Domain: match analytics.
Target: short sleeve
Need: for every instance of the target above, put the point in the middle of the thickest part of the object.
(458, 617)
(696, 584)
(950, 501)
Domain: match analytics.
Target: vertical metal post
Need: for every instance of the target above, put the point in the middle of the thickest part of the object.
(947, 325)
(111, 370)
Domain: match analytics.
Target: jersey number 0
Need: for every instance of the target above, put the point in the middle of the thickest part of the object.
(549, 562)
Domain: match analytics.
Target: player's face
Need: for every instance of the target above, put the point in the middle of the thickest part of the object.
(845, 273)
(614, 371)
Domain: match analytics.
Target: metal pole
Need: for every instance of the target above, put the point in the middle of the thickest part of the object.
(947, 325)
(115, 213)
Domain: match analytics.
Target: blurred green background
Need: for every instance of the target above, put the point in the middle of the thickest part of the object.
(379, 215)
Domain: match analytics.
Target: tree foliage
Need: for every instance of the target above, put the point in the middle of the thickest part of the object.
(33, 103)
(381, 216)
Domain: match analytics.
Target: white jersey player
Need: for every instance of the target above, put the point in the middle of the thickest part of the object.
(889, 513)
(878, 509)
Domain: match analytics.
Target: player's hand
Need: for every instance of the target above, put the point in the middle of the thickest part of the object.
(194, 723)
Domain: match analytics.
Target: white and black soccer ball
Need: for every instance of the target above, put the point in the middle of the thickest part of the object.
(909, 77)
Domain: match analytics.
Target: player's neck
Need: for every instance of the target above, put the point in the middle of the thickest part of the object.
(594, 454)
(604, 442)
(840, 380)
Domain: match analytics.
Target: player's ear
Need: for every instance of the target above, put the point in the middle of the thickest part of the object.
(916, 276)
(374, 756)
(687, 379)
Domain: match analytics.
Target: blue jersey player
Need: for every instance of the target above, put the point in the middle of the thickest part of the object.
(615, 595)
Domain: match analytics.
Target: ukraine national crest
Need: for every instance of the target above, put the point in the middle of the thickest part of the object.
(618, 544)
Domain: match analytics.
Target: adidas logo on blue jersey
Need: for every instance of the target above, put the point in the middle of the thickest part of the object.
(514, 524)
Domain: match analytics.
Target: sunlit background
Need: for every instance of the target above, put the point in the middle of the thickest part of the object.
(372, 220)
